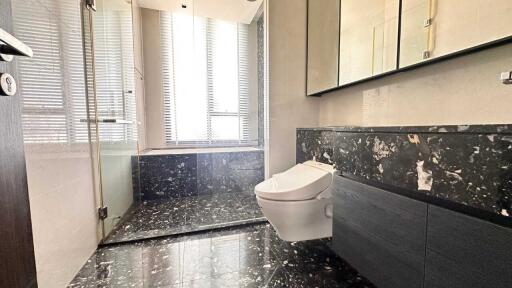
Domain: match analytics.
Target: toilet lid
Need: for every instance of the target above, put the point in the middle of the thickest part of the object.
(301, 182)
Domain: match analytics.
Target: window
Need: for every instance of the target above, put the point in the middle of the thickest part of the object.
(205, 80)
(53, 86)
(114, 69)
(53, 81)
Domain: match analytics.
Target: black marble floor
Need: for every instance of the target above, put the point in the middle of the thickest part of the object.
(188, 214)
(251, 256)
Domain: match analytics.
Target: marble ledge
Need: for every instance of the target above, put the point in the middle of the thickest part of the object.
(470, 129)
(472, 169)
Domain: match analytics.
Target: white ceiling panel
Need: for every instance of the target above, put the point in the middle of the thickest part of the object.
(242, 11)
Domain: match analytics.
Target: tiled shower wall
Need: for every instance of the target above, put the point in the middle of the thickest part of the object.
(261, 81)
(182, 175)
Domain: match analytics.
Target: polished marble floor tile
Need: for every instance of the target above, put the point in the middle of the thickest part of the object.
(249, 256)
(189, 214)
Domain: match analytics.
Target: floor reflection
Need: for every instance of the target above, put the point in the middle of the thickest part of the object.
(252, 256)
(188, 214)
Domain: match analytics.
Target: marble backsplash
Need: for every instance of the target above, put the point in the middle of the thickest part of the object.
(469, 165)
(182, 175)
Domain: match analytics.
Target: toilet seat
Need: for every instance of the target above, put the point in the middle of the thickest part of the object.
(298, 202)
(301, 182)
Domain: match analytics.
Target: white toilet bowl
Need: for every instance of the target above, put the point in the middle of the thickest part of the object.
(298, 202)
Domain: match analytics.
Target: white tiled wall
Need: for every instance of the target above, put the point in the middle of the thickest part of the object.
(465, 90)
(62, 205)
(289, 107)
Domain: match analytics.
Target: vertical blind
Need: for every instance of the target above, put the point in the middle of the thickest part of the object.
(53, 81)
(205, 79)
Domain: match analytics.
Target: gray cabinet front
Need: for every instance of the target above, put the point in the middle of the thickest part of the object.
(380, 233)
(463, 251)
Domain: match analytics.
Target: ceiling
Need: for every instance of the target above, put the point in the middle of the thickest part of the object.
(242, 11)
(113, 5)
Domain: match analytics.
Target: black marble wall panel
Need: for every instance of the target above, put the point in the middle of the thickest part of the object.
(315, 144)
(464, 164)
(137, 197)
(229, 172)
(168, 176)
(182, 175)
(261, 80)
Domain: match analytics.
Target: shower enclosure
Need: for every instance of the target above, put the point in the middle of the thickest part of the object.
(197, 177)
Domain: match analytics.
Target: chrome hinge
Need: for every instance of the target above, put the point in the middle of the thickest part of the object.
(427, 22)
(90, 4)
(426, 54)
(103, 213)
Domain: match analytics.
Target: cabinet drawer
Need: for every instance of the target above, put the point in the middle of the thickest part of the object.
(463, 251)
(380, 233)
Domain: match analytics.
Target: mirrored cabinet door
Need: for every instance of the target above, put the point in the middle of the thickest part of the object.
(435, 28)
(368, 38)
(366, 42)
(416, 32)
(323, 41)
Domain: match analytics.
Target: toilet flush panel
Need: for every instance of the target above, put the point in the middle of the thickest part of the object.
(380, 233)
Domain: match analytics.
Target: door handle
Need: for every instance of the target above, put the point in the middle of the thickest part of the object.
(10, 45)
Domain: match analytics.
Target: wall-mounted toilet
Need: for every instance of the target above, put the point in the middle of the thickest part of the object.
(298, 202)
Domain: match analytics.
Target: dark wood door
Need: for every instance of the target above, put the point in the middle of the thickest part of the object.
(17, 265)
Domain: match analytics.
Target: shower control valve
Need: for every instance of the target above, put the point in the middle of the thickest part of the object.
(7, 85)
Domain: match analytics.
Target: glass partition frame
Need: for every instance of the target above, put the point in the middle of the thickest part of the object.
(109, 156)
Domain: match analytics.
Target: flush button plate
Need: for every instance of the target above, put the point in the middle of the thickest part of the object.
(8, 85)
(506, 78)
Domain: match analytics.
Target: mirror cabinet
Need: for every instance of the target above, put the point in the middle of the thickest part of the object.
(350, 41)
(368, 38)
(323, 34)
(416, 31)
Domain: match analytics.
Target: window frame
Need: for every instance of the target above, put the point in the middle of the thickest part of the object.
(171, 140)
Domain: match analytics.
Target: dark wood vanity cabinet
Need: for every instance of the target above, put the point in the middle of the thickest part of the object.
(380, 233)
(464, 251)
(396, 241)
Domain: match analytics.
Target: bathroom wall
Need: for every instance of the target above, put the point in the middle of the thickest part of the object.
(289, 107)
(154, 101)
(465, 90)
(60, 177)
